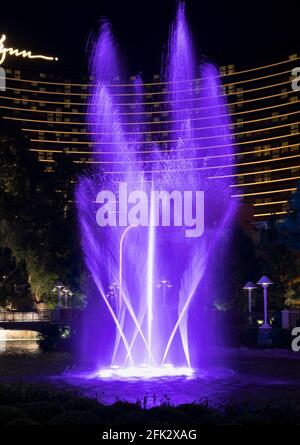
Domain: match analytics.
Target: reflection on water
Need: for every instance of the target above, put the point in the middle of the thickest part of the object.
(261, 377)
(218, 385)
(18, 341)
(18, 347)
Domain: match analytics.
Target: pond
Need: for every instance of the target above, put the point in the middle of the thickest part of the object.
(253, 376)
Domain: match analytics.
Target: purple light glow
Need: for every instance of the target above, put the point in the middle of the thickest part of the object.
(144, 372)
(141, 322)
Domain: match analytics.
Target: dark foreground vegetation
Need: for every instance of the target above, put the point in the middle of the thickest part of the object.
(22, 404)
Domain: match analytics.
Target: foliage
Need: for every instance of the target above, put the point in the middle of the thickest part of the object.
(43, 405)
(14, 286)
(280, 253)
(37, 221)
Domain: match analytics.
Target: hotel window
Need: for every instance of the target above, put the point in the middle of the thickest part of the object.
(25, 100)
(295, 148)
(267, 151)
(293, 57)
(241, 180)
(284, 93)
(285, 147)
(293, 99)
(294, 128)
(295, 170)
(275, 117)
(266, 177)
(231, 69)
(230, 89)
(240, 93)
(258, 151)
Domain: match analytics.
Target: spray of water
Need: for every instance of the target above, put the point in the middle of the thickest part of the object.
(154, 273)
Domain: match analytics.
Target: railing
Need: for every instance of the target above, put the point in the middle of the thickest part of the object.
(8, 316)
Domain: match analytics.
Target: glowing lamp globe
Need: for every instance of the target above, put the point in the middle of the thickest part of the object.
(249, 286)
(264, 281)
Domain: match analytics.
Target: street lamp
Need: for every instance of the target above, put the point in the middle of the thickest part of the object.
(59, 287)
(164, 284)
(265, 282)
(249, 287)
(113, 293)
(67, 293)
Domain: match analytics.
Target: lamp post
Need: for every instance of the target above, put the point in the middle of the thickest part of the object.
(265, 282)
(113, 289)
(164, 284)
(59, 287)
(249, 287)
(67, 293)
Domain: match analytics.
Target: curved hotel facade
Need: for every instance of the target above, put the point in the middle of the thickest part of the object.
(264, 109)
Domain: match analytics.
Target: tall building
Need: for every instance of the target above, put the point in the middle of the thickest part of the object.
(51, 111)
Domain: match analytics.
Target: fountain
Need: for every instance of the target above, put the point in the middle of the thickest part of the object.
(155, 212)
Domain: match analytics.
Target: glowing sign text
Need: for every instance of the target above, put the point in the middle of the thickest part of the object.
(16, 52)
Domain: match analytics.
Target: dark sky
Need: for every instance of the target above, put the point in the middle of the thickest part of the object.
(248, 34)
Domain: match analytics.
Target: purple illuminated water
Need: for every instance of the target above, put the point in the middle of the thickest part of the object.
(150, 287)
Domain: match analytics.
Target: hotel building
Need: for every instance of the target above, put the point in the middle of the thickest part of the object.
(264, 108)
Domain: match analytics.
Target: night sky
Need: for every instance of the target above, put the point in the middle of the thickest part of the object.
(249, 34)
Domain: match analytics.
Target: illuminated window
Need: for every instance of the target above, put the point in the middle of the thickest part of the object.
(294, 128)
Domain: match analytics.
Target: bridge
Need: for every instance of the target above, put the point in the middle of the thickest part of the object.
(37, 320)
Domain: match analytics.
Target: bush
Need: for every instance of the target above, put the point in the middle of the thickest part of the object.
(81, 404)
(9, 414)
(42, 411)
(76, 418)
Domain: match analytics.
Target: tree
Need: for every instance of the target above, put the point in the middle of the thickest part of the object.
(37, 217)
